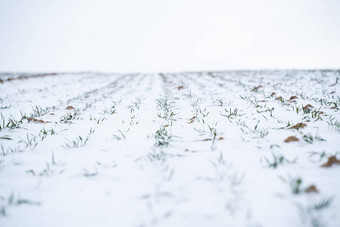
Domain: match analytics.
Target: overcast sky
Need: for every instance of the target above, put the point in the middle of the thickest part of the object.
(168, 35)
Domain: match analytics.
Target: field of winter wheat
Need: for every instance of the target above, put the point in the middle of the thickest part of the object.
(235, 148)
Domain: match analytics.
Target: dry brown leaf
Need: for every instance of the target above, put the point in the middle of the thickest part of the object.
(308, 107)
(70, 108)
(279, 98)
(331, 160)
(256, 88)
(221, 138)
(191, 120)
(36, 120)
(292, 98)
(180, 87)
(272, 94)
(298, 125)
(312, 189)
(291, 139)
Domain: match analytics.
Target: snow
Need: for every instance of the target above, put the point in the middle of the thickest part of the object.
(130, 153)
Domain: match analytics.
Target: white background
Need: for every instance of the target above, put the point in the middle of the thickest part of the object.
(168, 35)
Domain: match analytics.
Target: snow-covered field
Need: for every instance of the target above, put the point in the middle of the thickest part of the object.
(246, 148)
